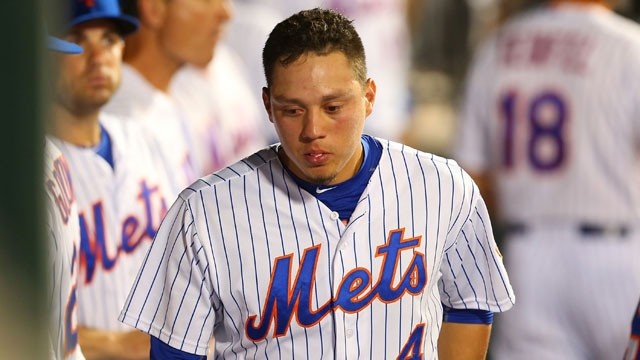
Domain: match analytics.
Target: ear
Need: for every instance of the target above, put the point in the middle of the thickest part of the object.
(266, 100)
(152, 12)
(369, 95)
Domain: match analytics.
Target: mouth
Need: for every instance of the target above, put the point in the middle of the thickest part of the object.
(316, 158)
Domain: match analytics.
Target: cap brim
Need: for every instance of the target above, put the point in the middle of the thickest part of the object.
(62, 46)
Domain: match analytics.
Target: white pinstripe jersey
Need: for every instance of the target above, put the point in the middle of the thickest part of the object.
(418, 238)
(63, 235)
(119, 210)
(551, 110)
(164, 124)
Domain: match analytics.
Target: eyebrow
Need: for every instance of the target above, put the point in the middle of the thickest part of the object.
(326, 98)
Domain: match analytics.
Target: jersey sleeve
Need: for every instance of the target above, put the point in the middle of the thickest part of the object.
(171, 298)
(473, 274)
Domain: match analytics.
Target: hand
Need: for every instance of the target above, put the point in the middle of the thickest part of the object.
(102, 345)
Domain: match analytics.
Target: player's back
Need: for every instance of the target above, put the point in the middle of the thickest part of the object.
(554, 95)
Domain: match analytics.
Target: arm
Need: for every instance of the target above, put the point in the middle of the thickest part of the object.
(463, 341)
(97, 344)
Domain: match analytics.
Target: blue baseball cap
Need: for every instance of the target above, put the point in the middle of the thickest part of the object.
(87, 10)
(63, 46)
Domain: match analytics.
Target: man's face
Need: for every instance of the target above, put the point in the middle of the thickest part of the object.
(318, 109)
(87, 81)
(192, 28)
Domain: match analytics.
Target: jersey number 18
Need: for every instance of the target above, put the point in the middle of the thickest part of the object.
(543, 118)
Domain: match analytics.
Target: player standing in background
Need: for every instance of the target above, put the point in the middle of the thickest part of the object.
(172, 34)
(63, 247)
(63, 234)
(119, 186)
(223, 114)
(550, 126)
(331, 244)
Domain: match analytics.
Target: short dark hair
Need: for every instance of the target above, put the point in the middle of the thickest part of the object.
(318, 31)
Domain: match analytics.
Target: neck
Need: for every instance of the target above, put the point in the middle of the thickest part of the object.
(143, 53)
(80, 130)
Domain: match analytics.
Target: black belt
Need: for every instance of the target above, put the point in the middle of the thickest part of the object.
(588, 230)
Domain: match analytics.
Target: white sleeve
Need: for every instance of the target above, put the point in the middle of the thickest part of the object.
(171, 298)
(473, 275)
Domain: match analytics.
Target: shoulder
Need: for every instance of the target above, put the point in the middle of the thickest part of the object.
(236, 172)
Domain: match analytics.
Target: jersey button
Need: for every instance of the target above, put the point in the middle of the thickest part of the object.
(334, 216)
(349, 333)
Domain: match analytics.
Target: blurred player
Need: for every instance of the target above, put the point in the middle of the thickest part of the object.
(331, 244)
(172, 34)
(63, 233)
(550, 125)
(223, 112)
(118, 183)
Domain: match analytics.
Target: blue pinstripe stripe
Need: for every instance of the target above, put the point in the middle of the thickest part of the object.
(466, 275)
(204, 322)
(384, 232)
(484, 282)
(253, 250)
(175, 278)
(266, 236)
(223, 241)
(157, 271)
(313, 242)
(275, 205)
(426, 201)
(240, 262)
(195, 306)
(455, 282)
(495, 263)
(370, 267)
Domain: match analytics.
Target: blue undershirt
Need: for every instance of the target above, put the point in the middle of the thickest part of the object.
(104, 146)
(343, 197)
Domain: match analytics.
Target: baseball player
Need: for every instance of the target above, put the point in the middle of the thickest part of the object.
(63, 234)
(119, 184)
(224, 116)
(185, 33)
(550, 125)
(330, 244)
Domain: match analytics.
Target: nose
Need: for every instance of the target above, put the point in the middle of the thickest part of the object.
(225, 11)
(312, 128)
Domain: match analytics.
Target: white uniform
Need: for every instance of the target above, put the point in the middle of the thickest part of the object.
(224, 116)
(63, 235)
(119, 210)
(418, 238)
(166, 131)
(552, 111)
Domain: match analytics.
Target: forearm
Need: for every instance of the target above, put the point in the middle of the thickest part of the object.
(101, 345)
(463, 341)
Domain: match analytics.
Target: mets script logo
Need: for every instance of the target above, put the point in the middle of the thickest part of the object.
(287, 299)
(135, 229)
